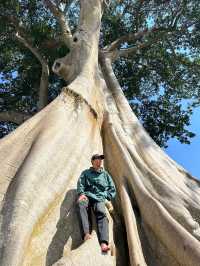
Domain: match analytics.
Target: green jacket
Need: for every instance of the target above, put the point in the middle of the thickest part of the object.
(97, 185)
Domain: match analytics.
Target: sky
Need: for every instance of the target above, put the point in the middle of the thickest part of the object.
(186, 155)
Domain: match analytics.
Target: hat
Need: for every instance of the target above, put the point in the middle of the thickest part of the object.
(97, 156)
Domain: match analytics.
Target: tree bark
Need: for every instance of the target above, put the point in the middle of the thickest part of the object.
(156, 214)
(66, 32)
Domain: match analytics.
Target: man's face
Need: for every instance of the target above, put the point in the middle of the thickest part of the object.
(97, 163)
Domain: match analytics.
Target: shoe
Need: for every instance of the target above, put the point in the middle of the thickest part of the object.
(87, 236)
(104, 247)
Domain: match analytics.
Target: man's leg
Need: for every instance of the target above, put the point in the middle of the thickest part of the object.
(83, 211)
(102, 222)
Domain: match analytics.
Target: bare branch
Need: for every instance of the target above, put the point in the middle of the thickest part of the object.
(30, 47)
(14, 116)
(135, 49)
(16, 24)
(52, 43)
(133, 37)
(138, 9)
(43, 90)
(20, 33)
(59, 15)
(107, 2)
(113, 55)
(177, 13)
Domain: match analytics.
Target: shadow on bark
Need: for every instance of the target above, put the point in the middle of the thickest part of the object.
(68, 229)
(69, 234)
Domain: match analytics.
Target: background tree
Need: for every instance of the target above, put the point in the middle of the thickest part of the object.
(153, 48)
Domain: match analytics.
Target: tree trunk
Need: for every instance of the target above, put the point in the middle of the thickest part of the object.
(156, 215)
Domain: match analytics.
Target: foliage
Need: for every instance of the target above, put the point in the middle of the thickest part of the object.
(159, 80)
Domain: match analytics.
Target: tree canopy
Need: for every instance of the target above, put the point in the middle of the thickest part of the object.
(155, 47)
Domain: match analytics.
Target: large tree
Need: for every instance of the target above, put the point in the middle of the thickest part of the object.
(156, 215)
(160, 79)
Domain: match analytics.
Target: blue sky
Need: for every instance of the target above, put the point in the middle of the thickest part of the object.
(188, 155)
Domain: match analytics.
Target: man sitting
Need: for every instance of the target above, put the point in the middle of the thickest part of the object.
(94, 186)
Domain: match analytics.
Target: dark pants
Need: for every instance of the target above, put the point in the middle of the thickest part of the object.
(101, 218)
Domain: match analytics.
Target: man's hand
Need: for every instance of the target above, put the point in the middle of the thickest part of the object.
(109, 206)
(82, 197)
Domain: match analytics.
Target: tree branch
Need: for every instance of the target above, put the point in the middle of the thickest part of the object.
(177, 13)
(133, 37)
(52, 43)
(14, 116)
(44, 80)
(106, 2)
(127, 51)
(59, 15)
(138, 9)
(27, 44)
(132, 50)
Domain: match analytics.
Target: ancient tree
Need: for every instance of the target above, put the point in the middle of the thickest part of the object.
(156, 215)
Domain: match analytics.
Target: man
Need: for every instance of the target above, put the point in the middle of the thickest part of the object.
(94, 186)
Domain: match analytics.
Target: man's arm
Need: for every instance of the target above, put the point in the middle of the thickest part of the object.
(81, 185)
(111, 190)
